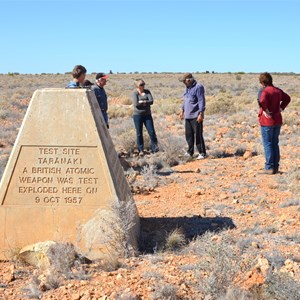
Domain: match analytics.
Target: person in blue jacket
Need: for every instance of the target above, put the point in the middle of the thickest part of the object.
(78, 73)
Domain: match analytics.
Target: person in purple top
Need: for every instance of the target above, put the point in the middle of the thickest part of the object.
(193, 109)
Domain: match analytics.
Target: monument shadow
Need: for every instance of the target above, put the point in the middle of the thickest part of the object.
(155, 230)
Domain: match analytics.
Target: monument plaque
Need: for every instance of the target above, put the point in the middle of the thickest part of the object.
(62, 170)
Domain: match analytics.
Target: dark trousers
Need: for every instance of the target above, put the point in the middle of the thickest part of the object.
(194, 130)
(270, 137)
(139, 121)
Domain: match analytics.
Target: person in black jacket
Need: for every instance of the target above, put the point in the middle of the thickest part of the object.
(101, 96)
(142, 101)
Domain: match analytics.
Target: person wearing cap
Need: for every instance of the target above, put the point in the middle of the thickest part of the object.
(78, 74)
(101, 96)
(193, 109)
(142, 101)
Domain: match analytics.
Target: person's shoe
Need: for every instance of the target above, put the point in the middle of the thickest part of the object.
(267, 172)
(155, 150)
(141, 153)
(201, 156)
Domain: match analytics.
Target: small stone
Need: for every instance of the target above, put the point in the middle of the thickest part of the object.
(247, 154)
(184, 286)
(236, 201)
(75, 296)
(223, 196)
(255, 245)
(199, 192)
(8, 277)
(197, 170)
(263, 265)
(187, 195)
(216, 238)
(119, 277)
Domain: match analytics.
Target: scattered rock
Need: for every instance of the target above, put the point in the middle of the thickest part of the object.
(40, 254)
(262, 265)
(9, 276)
(119, 277)
(224, 196)
(76, 296)
(291, 267)
(255, 245)
(247, 154)
(36, 254)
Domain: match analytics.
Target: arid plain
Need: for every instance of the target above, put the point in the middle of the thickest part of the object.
(211, 229)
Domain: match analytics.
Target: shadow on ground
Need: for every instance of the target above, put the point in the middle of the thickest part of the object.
(155, 230)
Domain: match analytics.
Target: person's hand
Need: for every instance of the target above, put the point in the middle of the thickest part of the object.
(181, 115)
(200, 118)
(268, 116)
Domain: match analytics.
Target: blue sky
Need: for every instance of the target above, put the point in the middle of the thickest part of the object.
(128, 36)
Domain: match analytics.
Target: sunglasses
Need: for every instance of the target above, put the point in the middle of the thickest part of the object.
(142, 84)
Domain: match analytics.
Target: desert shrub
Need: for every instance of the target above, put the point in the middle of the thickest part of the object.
(238, 77)
(127, 296)
(291, 180)
(173, 147)
(165, 292)
(9, 134)
(117, 111)
(147, 181)
(62, 257)
(275, 258)
(149, 177)
(220, 261)
(220, 105)
(111, 229)
(126, 101)
(126, 141)
(175, 240)
(280, 287)
(291, 119)
(3, 163)
(4, 113)
(245, 243)
(151, 274)
(32, 290)
(236, 293)
(289, 203)
(219, 153)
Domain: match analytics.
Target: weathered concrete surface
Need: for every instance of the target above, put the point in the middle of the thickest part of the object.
(62, 171)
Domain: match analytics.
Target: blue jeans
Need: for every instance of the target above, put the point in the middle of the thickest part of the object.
(270, 138)
(139, 121)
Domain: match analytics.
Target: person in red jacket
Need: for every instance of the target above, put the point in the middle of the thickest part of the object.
(272, 102)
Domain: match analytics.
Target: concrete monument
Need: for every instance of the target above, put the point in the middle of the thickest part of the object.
(63, 175)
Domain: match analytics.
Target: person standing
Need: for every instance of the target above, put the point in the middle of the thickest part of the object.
(193, 109)
(272, 101)
(142, 101)
(101, 96)
(79, 73)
